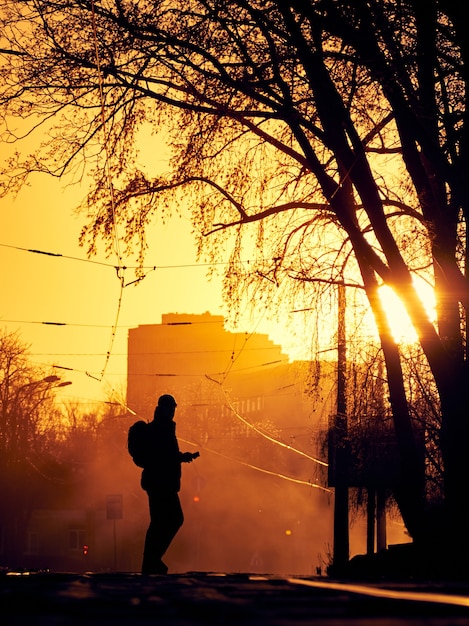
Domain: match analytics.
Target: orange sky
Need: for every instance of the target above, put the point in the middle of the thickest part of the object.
(83, 296)
(38, 288)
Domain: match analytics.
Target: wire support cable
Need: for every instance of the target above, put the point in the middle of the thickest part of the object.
(229, 404)
(298, 481)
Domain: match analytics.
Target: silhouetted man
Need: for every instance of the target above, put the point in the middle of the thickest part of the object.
(161, 479)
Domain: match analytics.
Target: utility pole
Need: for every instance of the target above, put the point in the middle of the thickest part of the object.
(341, 517)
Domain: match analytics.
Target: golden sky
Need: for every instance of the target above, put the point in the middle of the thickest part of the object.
(83, 296)
(65, 307)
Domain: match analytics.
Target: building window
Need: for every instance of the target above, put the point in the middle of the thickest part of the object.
(76, 538)
(32, 546)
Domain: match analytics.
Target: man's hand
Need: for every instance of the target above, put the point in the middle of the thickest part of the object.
(188, 457)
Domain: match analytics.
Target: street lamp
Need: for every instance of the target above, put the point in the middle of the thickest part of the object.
(35, 383)
(50, 379)
(54, 379)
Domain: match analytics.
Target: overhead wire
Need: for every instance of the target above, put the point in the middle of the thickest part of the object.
(108, 174)
(120, 268)
(204, 448)
(260, 432)
(246, 339)
(298, 481)
(56, 254)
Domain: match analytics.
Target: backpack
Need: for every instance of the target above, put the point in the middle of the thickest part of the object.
(137, 443)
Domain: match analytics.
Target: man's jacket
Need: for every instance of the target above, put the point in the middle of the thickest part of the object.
(163, 469)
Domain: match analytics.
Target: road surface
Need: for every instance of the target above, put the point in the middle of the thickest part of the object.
(53, 599)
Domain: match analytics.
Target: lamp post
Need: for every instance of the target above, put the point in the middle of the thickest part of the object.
(341, 516)
(36, 383)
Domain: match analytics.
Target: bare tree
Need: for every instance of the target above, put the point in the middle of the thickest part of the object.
(28, 419)
(324, 136)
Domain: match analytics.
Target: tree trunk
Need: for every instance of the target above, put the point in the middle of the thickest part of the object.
(409, 491)
(370, 520)
(452, 536)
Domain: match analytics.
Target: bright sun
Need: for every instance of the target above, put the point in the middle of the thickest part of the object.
(401, 326)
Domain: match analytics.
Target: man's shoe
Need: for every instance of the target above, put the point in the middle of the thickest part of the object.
(159, 569)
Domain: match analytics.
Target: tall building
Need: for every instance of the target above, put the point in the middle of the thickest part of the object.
(189, 356)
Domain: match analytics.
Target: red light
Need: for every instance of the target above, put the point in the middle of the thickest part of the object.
(85, 550)
(196, 499)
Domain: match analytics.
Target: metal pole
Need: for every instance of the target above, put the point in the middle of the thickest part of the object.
(341, 526)
(115, 546)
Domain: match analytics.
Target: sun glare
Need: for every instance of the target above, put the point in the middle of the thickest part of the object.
(401, 327)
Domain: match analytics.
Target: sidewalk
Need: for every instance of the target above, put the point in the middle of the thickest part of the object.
(52, 599)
